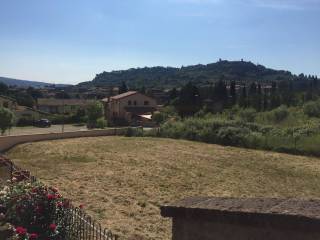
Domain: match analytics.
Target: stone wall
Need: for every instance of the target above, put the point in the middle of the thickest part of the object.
(244, 219)
(10, 141)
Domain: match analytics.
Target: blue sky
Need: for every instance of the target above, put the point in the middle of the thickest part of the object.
(69, 41)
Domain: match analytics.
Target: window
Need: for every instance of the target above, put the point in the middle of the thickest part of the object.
(135, 103)
(146, 103)
(129, 102)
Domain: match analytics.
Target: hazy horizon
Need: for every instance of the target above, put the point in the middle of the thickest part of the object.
(70, 42)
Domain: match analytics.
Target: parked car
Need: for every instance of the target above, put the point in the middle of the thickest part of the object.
(43, 123)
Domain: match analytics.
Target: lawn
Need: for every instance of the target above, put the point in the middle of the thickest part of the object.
(123, 181)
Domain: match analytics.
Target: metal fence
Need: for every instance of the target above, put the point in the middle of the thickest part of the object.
(80, 226)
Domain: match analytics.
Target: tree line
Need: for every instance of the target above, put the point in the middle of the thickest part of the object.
(259, 96)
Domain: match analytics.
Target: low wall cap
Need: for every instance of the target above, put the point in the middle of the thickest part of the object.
(256, 211)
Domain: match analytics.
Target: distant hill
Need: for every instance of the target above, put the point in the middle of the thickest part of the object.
(166, 77)
(26, 83)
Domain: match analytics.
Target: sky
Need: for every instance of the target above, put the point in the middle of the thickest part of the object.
(70, 41)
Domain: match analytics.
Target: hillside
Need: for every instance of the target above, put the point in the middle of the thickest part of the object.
(166, 77)
(123, 181)
(22, 83)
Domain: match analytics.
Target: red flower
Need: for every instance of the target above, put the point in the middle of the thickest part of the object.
(33, 236)
(81, 206)
(21, 231)
(59, 204)
(51, 196)
(52, 227)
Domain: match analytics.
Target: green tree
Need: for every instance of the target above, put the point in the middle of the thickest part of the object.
(123, 88)
(243, 97)
(6, 119)
(189, 101)
(3, 88)
(94, 112)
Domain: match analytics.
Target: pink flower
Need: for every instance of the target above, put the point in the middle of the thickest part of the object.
(53, 227)
(21, 231)
(59, 204)
(33, 236)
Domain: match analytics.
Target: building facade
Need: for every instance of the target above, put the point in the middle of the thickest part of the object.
(61, 106)
(131, 108)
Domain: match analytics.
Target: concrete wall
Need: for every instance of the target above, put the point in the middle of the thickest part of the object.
(8, 142)
(244, 219)
(184, 229)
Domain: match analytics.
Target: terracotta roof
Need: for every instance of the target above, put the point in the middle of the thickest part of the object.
(122, 95)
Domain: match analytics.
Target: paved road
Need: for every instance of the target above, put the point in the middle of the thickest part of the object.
(36, 130)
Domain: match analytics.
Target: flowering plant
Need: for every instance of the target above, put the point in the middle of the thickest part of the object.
(35, 211)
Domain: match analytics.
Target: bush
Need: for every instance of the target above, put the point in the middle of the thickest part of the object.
(234, 136)
(36, 211)
(101, 123)
(134, 132)
(312, 109)
(248, 115)
(6, 119)
(94, 112)
(278, 115)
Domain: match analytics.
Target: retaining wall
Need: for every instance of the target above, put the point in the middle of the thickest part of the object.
(243, 219)
(10, 141)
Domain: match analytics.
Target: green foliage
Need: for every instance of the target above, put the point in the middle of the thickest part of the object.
(101, 123)
(164, 115)
(218, 129)
(248, 115)
(137, 132)
(6, 119)
(312, 109)
(279, 114)
(94, 112)
(168, 77)
(25, 99)
(3, 88)
(34, 210)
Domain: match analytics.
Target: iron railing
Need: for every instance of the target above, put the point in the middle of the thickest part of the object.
(80, 226)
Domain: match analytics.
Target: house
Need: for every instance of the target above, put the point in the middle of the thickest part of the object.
(8, 102)
(131, 108)
(61, 106)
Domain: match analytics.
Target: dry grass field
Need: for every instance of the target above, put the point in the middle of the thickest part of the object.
(123, 181)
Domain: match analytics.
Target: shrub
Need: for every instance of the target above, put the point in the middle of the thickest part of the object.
(234, 136)
(6, 119)
(248, 115)
(312, 109)
(101, 123)
(35, 210)
(94, 112)
(279, 114)
(134, 132)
